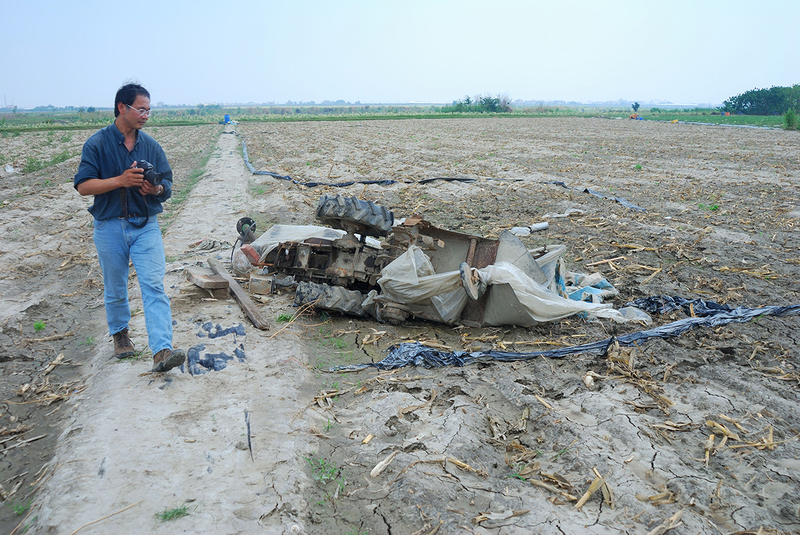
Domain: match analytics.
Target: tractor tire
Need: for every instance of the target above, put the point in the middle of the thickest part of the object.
(374, 220)
(326, 297)
(393, 313)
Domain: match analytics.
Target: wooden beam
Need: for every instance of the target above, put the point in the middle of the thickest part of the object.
(240, 295)
(205, 278)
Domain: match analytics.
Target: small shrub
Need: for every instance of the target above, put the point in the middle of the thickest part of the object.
(790, 119)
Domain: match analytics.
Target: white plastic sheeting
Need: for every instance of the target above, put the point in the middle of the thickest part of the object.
(278, 234)
(411, 280)
(540, 303)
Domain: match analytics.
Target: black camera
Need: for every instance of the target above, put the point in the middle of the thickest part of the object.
(150, 172)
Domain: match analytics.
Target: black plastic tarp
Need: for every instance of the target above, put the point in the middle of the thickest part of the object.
(707, 314)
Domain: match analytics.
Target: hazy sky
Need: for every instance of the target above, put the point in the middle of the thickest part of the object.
(78, 53)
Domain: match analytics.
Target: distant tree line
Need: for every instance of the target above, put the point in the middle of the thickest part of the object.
(480, 104)
(772, 101)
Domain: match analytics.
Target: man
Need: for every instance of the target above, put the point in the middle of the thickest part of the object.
(126, 227)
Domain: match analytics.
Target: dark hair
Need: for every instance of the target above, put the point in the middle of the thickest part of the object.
(127, 94)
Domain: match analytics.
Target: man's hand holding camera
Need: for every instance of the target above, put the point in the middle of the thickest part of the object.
(142, 175)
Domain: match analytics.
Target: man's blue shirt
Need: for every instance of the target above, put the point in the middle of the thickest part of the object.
(105, 156)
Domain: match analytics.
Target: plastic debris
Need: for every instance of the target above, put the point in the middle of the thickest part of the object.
(521, 231)
(526, 231)
(622, 201)
(708, 314)
(567, 213)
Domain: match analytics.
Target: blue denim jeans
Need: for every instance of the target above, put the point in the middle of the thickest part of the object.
(117, 243)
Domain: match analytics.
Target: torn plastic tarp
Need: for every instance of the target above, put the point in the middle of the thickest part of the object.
(416, 354)
(664, 304)
(624, 202)
(410, 280)
(592, 287)
(278, 234)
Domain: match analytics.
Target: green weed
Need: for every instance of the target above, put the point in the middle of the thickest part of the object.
(21, 508)
(284, 318)
(29, 524)
(89, 340)
(638, 167)
(709, 207)
(39, 326)
(173, 514)
(323, 470)
(137, 356)
(563, 450)
(516, 475)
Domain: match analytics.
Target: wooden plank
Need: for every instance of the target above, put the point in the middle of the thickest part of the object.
(240, 295)
(205, 278)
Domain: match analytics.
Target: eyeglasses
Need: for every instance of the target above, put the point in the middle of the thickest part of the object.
(141, 111)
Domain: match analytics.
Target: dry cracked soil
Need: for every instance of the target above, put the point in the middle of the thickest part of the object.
(255, 434)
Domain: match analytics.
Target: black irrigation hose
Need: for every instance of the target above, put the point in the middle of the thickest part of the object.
(254, 171)
(388, 182)
(710, 315)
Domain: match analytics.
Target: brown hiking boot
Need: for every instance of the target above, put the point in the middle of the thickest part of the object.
(166, 359)
(123, 347)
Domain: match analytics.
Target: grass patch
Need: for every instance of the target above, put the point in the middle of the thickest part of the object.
(173, 514)
(34, 164)
(769, 121)
(65, 121)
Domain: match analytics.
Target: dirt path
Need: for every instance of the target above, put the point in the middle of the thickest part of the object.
(163, 441)
(496, 448)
